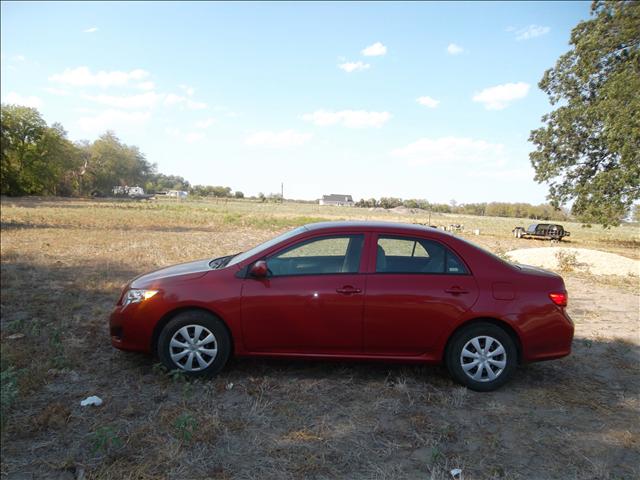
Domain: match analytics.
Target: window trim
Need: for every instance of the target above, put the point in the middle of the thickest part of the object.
(306, 240)
(399, 236)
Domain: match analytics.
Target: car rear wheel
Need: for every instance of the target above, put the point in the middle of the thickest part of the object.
(482, 357)
(196, 343)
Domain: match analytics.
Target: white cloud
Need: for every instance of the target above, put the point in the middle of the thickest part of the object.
(531, 31)
(19, 58)
(189, 137)
(173, 99)
(191, 105)
(206, 123)
(508, 174)
(452, 150)
(282, 139)
(500, 96)
(454, 49)
(83, 77)
(26, 101)
(143, 100)
(226, 111)
(353, 66)
(58, 92)
(91, 30)
(146, 85)
(348, 118)
(375, 50)
(112, 120)
(428, 102)
(187, 89)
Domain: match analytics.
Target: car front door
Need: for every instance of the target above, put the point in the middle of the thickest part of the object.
(310, 302)
(418, 289)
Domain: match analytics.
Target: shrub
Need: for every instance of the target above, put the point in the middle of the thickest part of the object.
(567, 261)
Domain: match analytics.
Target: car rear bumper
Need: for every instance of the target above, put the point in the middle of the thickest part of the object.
(550, 336)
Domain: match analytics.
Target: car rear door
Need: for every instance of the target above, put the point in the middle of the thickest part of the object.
(417, 290)
(312, 300)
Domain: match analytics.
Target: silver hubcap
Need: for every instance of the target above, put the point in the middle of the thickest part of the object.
(483, 359)
(193, 348)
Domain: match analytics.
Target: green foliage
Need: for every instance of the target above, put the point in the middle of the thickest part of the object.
(567, 261)
(390, 202)
(105, 439)
(160, 182)
(8, 391)
(34, 157)
(111, 162)
(211, 191)
(493, 209)
(588, 151)
(40, 160)
(185, 426)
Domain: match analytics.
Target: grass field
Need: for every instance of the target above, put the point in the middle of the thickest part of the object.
(64, 262)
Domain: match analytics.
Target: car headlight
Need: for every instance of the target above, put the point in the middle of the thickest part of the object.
(136, 295)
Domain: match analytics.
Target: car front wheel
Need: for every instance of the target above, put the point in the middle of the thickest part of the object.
(196, 343)
(482, 357)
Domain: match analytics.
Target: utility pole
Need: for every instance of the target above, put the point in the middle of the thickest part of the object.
(282, 192)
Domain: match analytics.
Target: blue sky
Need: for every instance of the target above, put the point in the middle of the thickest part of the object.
(413, 100)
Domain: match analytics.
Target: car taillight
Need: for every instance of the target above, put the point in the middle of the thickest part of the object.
(559, 298)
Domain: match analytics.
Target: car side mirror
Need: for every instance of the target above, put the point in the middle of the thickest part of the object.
(259, 269)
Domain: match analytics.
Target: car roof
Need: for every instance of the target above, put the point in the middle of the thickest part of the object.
(370, 225)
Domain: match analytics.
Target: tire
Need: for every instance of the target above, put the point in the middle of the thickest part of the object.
(196, 343)
(502, 366)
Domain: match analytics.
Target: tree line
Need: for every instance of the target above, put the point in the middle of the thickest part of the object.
(38, 159)
(492, 209)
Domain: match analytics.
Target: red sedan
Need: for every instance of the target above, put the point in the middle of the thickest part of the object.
(350, 290)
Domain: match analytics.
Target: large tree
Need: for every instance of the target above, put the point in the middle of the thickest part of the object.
(34, 157)
(588, 151)
(110, 162)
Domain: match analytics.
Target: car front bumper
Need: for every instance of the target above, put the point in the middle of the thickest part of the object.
(131, 327)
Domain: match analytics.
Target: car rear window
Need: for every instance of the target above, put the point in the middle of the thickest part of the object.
(416, 255)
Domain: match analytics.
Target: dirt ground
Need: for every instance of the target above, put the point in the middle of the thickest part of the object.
(574, 418)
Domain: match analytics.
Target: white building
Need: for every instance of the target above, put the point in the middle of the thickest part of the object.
(337, 199)
(126, 191)
(177, 193)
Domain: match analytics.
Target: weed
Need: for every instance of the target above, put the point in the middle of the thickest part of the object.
(105, 439)
(8, 391)
(185, 426)
(436, 454)
(159, 369)
(177, 376)
(567, 261)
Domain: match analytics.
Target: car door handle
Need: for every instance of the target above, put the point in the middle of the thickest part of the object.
(348, 290)
(456, 290)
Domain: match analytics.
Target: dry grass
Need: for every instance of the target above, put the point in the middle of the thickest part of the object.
(63, 263)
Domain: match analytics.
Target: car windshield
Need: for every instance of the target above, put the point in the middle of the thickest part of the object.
(263, 246)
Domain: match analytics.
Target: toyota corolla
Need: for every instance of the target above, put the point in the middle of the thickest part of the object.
(350, 290)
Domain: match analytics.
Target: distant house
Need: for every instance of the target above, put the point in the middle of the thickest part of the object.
(177, 193)
(337, 199)
(125, 191)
